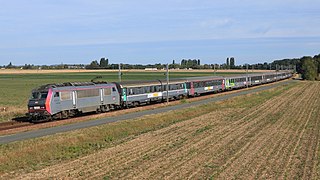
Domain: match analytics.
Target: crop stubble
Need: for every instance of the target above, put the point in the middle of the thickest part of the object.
(276, 139)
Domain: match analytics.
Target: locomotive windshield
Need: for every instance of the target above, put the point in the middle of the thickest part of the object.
(39, 95)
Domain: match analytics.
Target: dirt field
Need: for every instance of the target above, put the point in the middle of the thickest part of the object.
(23, 71)
(277, 139)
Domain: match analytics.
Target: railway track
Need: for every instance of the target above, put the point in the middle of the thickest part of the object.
(21, 121)
(13, 124)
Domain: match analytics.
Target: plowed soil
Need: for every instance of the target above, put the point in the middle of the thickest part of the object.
(277, 139)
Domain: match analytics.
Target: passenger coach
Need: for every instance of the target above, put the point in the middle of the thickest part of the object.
(146, 92)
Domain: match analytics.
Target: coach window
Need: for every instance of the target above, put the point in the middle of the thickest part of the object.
(158, 88)
(195, 85)
(130, 91)
(56, 94)
(215, 83)
(173, 86)
(139, 90)
(146, 89)
(164, 87)
(113, 89)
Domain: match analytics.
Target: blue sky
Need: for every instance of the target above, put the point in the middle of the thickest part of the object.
(157, 31)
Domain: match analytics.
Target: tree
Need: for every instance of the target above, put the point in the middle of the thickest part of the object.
(232, 63)
(228, 63)
(93, 65)
(309, 69)
(103, 63)
(317, 60)
(183, 62)
(9, 65)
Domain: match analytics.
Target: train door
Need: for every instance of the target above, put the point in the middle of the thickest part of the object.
(115, 95)
(223, 84)
(227, 83)
(124, 95)
(56, 102)
(191, 89)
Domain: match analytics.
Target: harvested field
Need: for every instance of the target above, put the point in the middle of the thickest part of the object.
(278, 139)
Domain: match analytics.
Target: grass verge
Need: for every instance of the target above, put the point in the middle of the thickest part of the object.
(37, 153)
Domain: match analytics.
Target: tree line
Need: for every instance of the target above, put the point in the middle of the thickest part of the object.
(307, 66)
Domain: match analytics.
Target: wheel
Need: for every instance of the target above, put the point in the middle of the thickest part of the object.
(103, 108)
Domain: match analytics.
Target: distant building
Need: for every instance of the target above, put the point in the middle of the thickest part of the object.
(150, 69)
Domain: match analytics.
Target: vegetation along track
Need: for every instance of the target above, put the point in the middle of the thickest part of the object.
(13, 124)
(276, 138)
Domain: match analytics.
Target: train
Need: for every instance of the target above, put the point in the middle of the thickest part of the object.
(63, 100)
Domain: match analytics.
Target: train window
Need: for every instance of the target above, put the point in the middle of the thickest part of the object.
(146, 90)
(107, 92)
(176, 86)
(114, 89)
(188, 85)
(56, 94)
(172, 86)
(158, 88)
(215, 83)
(140, 90)
(151, 89)
(164, 87)
(135, 91)
(65, 95)
(87, 93)
(131, 91)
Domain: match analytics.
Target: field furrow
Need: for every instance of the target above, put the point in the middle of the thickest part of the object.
(278, 134)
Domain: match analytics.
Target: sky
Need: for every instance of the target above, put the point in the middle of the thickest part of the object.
(157, 31)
